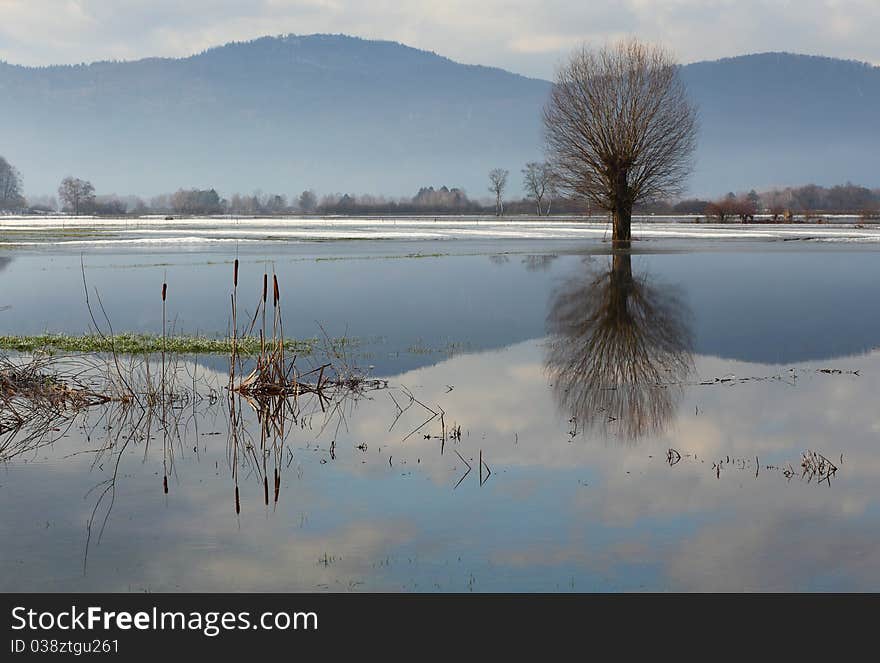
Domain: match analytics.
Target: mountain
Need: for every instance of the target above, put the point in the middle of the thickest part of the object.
(330, 112)
(340, 114)
(778, 118)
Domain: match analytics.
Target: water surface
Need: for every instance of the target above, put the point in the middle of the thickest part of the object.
(571, 374)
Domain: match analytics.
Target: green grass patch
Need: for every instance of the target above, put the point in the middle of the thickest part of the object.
(138, 344)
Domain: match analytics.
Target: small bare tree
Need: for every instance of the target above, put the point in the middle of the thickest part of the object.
(308, 201)
(620, 129)
(719, 209)
(76, 194)
(776, 201)
(538, 183)
(497, 182)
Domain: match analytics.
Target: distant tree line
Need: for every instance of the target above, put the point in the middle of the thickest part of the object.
(813, 199)
(779, 204)
(540, 184)
(428, 200)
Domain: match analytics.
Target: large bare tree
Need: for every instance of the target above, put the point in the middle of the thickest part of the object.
(620, 129)
(497, 183)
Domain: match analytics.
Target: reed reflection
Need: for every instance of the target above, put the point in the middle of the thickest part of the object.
(4, 263)
(619, 350)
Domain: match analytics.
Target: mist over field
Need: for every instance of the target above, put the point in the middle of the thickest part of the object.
(342, 114)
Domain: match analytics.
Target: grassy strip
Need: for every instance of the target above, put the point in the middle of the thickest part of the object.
(144, 344)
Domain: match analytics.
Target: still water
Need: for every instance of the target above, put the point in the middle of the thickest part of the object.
(634, 422)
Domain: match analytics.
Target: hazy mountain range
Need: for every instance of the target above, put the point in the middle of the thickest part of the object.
(341, 114)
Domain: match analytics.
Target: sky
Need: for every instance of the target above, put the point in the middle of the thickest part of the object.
(527, 37)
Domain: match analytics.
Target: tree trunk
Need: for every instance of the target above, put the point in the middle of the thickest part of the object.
(622, 226)
(622, 212)
(621, 269)
(620, 286)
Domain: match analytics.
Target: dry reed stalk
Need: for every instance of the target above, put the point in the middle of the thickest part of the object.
(263, 328)
(234, 323)
(164, 294)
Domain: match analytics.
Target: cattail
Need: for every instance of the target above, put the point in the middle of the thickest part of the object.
(266, 490)
(277, 294)
(237, 503)
(277, 483)
(165, 484)
(265, 286)
(164, 290)
(235, 274)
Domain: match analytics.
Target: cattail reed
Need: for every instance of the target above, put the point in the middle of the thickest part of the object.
(165, 484)
(266, 490)
(164, 326)
(234, 323)
(277, 296)
(237, 503)
(262, 331)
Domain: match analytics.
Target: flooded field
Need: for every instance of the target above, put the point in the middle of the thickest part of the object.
(531, 412)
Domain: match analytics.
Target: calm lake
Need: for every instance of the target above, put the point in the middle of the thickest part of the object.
(627, 422)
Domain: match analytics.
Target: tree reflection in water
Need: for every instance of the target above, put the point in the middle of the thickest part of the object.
(4, 263)
(619, 350)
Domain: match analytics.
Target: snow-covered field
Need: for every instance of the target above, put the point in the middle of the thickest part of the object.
(54, 230)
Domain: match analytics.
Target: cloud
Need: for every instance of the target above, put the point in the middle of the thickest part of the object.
(611, 515)
(525, 36)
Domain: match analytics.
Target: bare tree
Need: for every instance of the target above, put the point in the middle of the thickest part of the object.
(732, 205)
(275, 204)
(620, 129)
(497, 182)
(745, 208)
(10, 186)
(76, 194)
(720, 209)
(538, 183)
(776, 203)
(196, 201)
(308, 201)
